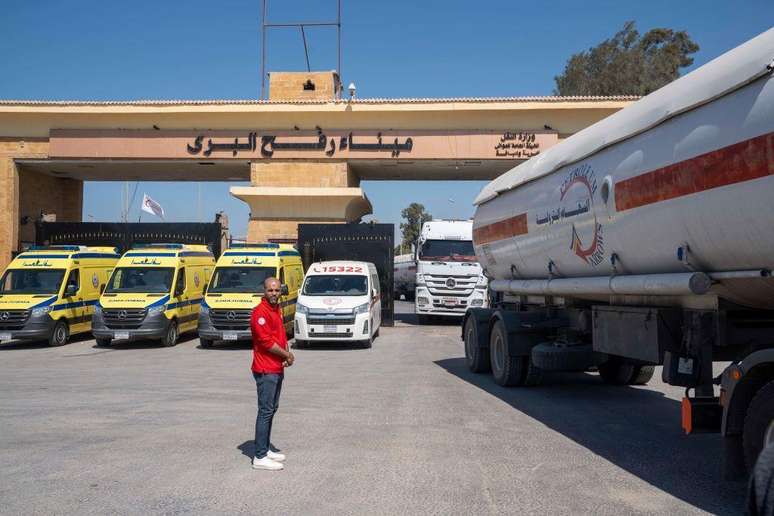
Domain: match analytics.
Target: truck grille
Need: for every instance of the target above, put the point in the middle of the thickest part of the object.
(450, 286)
(123, 318)
(223, 319)
(13, 319)
(337, 321)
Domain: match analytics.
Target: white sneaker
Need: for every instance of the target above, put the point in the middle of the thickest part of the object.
(275, 456)
(267, 463)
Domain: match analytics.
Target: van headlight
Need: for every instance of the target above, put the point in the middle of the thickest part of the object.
(301, 309)
(361, 309)
(41, 310)
(157, 309)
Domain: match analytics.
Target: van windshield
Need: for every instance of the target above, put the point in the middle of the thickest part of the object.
(447, 251)
(151, 280)
(31, 281)
(240, 280)
(336, 285)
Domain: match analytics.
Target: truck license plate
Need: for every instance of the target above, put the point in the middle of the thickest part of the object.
(121, 335)
(330, 328)
(5, 336)
(449, 301)
(230, 336)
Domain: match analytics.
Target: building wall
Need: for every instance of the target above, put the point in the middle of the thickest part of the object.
(302, 173)
(290, 85)
(42, 192)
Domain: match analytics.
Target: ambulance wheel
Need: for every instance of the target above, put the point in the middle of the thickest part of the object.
(59, 334)
(102, 343)
(170, 339)
(205, 343)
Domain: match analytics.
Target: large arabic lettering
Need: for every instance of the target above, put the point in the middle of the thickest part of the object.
(517, 145)
(270, 145)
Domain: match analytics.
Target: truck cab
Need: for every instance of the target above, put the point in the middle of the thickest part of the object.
(340, 301)
(49, 292)
(237, 287)
(449, 279)
(154, 293)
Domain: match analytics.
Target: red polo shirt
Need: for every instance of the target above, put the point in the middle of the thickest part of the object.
(267, 329)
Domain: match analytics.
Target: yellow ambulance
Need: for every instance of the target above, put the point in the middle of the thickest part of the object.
(237, 287)
(49, 293)
(154, 293)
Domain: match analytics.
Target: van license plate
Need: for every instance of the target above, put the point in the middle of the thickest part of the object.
(449, 301)
(330, 328)
(230, 336)
(121, 335)
(5, 336)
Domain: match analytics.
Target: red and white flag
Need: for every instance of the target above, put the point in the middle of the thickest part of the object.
(152, 206)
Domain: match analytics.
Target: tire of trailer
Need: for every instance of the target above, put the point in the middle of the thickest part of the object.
(758, 425)
(642, 375)
(509, 370)
(617, 372)
(476, 356)
(550, 357)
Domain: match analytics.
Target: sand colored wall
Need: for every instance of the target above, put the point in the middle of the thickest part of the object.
(290, 85)
(295, 173)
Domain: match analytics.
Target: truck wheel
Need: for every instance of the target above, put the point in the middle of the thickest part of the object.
(103, 343)
(616, 372)
(476, 356)
(509, 370)
(170, 339)
(59, 334)
(642, 375)
(205, 343)
(758, 425)
(552, 357)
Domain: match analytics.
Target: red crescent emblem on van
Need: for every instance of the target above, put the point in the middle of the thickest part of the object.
(330, 301)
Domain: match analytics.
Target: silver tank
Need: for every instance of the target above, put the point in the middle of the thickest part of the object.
(680, 181)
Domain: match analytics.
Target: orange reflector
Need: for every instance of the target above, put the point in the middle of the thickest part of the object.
(736, 374)
(687, 419)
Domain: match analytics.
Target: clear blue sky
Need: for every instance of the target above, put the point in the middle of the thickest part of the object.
(97, 49)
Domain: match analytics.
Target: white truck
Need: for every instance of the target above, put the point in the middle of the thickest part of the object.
(404, 275)
(646, 239)
(449, 278)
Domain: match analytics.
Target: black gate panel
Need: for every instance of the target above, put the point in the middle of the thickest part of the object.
(125, 235)
(359, 242)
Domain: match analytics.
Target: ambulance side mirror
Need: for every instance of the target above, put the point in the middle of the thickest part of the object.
(284, 290)
(70, 290)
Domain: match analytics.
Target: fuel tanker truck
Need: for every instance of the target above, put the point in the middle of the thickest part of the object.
(646, 239)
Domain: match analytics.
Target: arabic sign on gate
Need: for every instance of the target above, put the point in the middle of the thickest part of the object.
(302, 144)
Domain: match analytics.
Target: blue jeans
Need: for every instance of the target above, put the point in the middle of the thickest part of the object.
(269, 387)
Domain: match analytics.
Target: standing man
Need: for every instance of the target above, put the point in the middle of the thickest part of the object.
(270, 357)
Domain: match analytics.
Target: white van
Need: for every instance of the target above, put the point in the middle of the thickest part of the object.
(339, 301)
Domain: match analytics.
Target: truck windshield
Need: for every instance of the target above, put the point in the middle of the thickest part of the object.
(447, 251)
(151, 280)
(31, 281)
(241, 280)
(336, 285)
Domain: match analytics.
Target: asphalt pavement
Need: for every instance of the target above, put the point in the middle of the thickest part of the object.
(401, 428)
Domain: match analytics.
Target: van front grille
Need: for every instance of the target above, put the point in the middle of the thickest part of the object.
(13, 319)
(123, 318)
(223, 319)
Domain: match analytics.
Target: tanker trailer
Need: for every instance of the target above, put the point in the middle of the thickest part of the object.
(646, 239)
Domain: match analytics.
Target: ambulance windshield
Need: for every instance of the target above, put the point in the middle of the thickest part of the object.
(151, 280)
(240, 280)
(31, 281)
(336, 285)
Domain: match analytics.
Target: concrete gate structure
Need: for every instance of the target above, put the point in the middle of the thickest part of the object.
(304, 151)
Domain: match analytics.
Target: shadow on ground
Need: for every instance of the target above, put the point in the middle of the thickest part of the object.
(635, 428)
(40, 344)
(144, 343)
